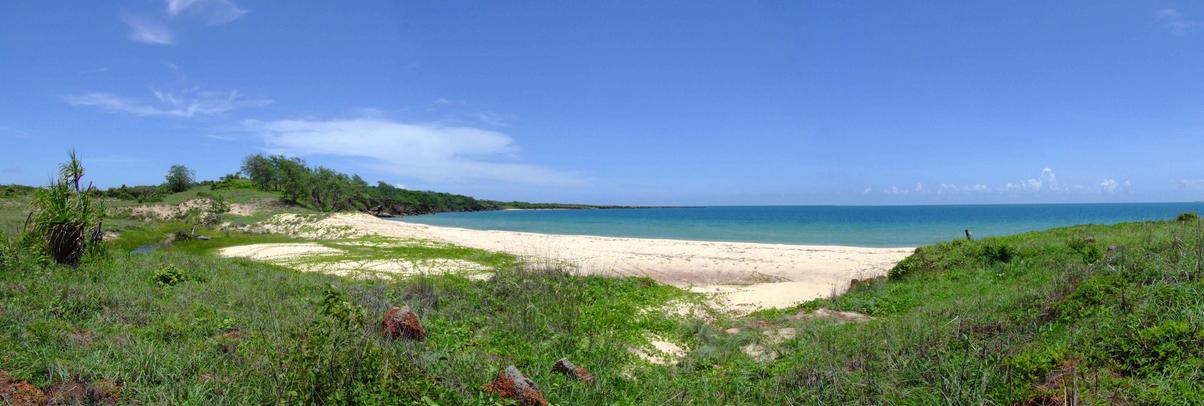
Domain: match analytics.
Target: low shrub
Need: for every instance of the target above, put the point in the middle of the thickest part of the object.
(171, 276)
(1188, 216)
(337, 306)
(1086, 247)
(994, 252)
(914, 263)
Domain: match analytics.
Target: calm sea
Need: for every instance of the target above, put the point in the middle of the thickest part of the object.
(870, 226)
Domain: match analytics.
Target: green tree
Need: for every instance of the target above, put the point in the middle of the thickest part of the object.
(72, 170)
(261, 171)
(179, 178)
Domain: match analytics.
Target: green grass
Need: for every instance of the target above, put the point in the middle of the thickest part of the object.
(165, 344)
(232, 195)
(1030, 316)
(13, 212)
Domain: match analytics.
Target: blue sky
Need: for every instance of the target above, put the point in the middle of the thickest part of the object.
(623, 102)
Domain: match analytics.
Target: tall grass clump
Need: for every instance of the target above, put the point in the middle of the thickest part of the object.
(64, 219)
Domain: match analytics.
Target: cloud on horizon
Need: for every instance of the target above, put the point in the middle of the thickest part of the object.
(186, 103)
(1047, 183)
(429, 151)
(159, 28)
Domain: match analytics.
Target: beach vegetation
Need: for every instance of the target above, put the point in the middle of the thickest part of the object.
(957, 322)
(64, 220)
(1075, 315)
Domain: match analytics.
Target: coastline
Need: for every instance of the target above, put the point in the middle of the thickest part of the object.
(745, 275)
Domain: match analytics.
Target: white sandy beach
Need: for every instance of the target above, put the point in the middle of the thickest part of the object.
(743, 274)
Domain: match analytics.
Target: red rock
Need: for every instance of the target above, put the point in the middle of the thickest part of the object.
(853, 284)
(102, 392)
(510, 383)
(19, 393)
(567, 367)
(402, 322)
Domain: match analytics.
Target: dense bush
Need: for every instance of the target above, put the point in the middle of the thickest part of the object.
(1188, 216)
(15, 190)
(140, 194)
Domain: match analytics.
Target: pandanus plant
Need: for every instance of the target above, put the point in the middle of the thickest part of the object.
(64, 217)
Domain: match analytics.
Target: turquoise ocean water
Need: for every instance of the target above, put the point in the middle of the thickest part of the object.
(869, 226)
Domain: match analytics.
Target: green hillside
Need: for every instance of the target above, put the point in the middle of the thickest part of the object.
(1100, 314)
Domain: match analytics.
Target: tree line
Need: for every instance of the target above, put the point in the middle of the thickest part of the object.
(325, 189)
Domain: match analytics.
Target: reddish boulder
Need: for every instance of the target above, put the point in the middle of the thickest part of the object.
(104, 392)
(567, 367)
(15, 392)
(402, 322)
(510, 383)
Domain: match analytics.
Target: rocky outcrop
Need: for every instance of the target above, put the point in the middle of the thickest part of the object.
(834, 315)
(16, 392)
(402, 323)
(510, 383)
(577, 372)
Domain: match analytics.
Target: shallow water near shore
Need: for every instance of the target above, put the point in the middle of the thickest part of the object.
(866, 226)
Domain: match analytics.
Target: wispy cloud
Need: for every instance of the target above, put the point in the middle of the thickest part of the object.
(1176, 21)
(213, 12)
(186, 103)
(148, 30)
(427, 151)
(158, 27)
(14, 132)
(441, 102)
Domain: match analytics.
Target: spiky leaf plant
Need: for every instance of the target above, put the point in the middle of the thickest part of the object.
(64, 219)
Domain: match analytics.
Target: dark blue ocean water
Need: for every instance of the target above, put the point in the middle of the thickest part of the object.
(869, 226)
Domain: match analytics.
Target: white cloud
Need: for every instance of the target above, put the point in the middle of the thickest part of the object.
(1176, 21)
(186, 103)
(1050, 179)
(148, 30)
(1111, 186)
(428, 151)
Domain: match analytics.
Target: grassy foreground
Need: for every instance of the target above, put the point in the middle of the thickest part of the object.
(1093, 314)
